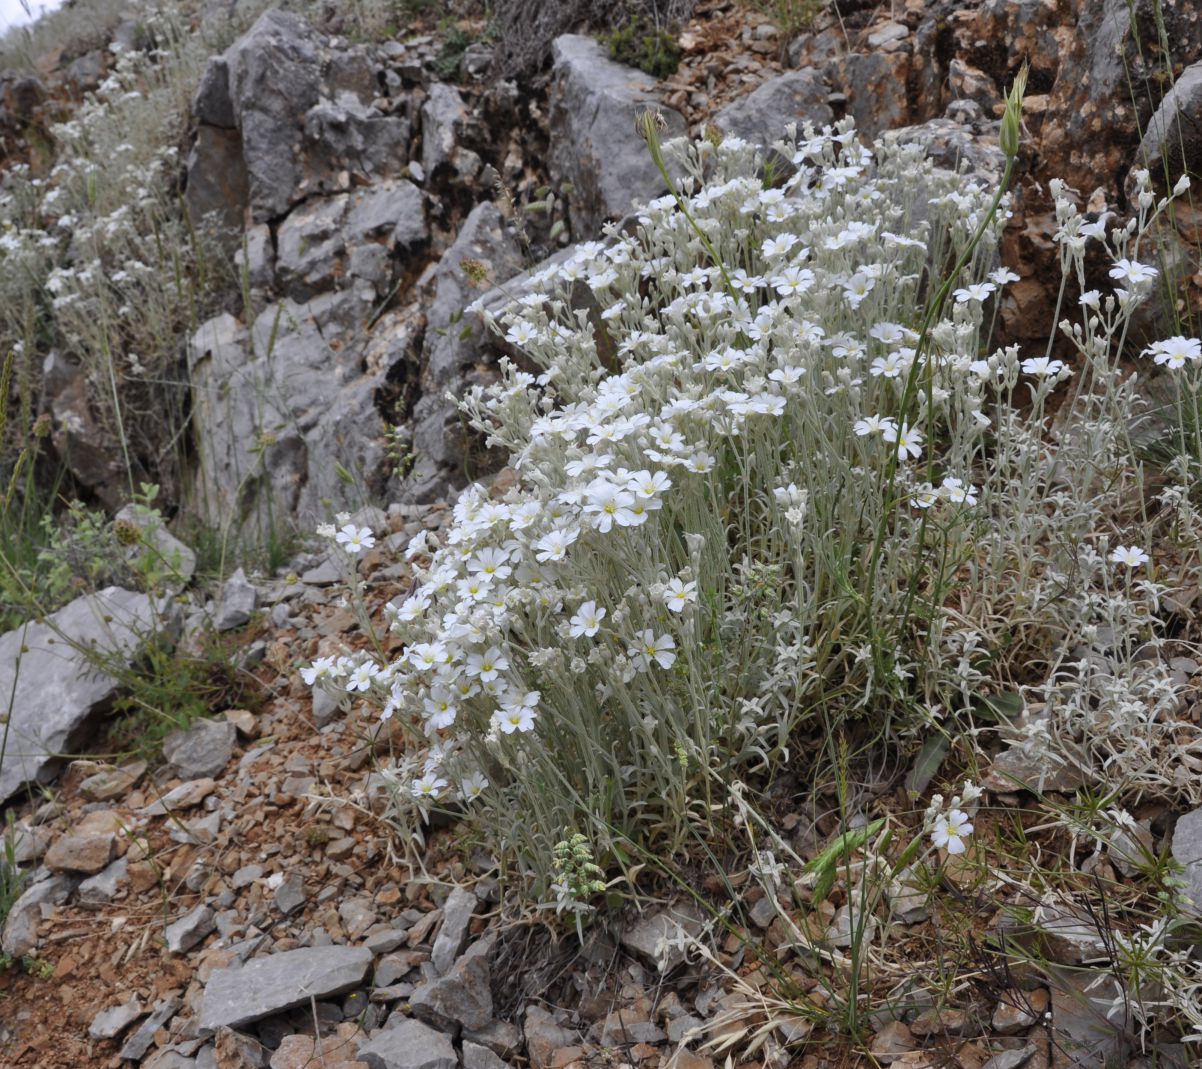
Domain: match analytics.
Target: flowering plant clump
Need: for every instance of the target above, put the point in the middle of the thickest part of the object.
(758, 496)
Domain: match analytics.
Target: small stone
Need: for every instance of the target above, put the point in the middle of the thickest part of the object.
(478, 1057)
(112, 782)
(245, 876)
(622, 1027)
(201, 751)
(1011, 1059)
(340, 849)
(190, 929)
(238, 600)
(457, 914)
(544, 1036)
(185, 796)
(82, 853)
(654, 935)
(763, 913)
(894, 1039)
(290, 895)
(101, 889)
(357, 916)
(245, 721)
(110, 1023)
(141, 1040)
(1019, 1010)
(386, 941)
(409, 1045)
(463, 997)
(1187, 851)
(941, 1022)
(232, 1050)
(238, 995)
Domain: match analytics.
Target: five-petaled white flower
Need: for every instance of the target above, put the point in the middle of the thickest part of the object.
(648, 648)
(951, 831)
(1131, 556)
(978, 291)
(1041, 367)
(353, 539)
(1132, 272)
(1175, 352)
(587, 621)
(487, 665)
(679, 594)
(428, 786)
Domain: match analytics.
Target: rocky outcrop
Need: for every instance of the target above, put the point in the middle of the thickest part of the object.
(594, 140)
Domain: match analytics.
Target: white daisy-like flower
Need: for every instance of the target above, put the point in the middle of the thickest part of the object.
(952, 831)
(1131, 556)
(355, 539)
(587, 620)
(678, 594)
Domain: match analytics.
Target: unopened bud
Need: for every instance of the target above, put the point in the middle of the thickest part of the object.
(1012, 120)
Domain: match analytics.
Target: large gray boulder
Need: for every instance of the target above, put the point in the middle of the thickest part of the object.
(762, 115)
(1173, 139)
(240, 994)
(53, 676)
(594, 140)
(274, 77)
(277, 409)
(454, 349)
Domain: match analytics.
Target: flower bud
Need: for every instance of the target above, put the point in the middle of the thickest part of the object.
(1012, 119)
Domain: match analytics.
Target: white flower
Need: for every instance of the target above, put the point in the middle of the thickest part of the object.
(488, 665)
(1132, 272)
(957, 493)
(679, 594)
(587, 621)
(875, 425)
(647, 484)
(428, 786)
(353, 539)
(472, 786)
(1002, 275)
(606, 504)
(1041, 367)
(1131, 556)
(951, 831)
(978, 291)
(553, 546)
(890, 366)
(522, 333)
(792, 281)
(1090, 299)
(362, 676)
(648, 648)
(518, 715)
(924, 496)
(909, 440)
(1175, 352)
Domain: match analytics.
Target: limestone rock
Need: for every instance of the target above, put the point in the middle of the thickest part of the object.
(203, 750)
(237, 601)
(190, 929)
(461, 998)
(58, 685)
(1187, 852)
(594, 143)
(656, 935)
(110, 1023)
(276, 982)
(409, 1045)
(274, 76)
(762, 115)
(20, 935)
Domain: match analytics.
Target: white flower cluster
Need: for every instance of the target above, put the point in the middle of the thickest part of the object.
(736, 449)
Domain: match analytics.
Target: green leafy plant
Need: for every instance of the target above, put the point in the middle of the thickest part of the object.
(649, 48)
